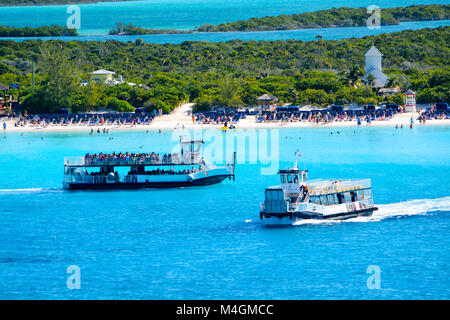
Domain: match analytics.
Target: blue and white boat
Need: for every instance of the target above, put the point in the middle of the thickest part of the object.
(297, 199)
(145, 170)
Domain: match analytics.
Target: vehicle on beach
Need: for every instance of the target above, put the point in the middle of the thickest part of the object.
(296, 199)
(145, 170)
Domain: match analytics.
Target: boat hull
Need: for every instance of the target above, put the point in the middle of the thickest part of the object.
(146, 185)
(295, 216)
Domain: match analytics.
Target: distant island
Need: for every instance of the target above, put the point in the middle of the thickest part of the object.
(129, 29)
(329, 18)
(7, 3)
(52, 31)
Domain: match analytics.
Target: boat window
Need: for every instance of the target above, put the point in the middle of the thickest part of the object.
(289, 178)
(331, 199)
(323, 200)
(283, 179)
(296, 178)
(347, 197)
(316, 200)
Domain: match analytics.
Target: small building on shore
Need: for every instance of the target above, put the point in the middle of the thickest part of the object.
(374, 68)
(389, 92)
(102, 75)
(410, 101)
(105, 77)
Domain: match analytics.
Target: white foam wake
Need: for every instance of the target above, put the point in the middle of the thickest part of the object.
(30, 190)
(395, 210)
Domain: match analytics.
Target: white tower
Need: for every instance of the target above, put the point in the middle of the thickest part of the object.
(373, 59)
(373, 67)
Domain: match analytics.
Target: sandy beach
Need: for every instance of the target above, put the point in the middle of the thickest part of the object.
(181, 118)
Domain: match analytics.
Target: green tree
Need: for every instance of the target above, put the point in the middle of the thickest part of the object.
(229, 91)
(63, 73)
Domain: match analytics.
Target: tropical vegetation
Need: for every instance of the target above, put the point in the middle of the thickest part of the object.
(52, 31)
(336, 17)
(232, 74)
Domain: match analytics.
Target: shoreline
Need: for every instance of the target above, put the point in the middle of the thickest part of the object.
(177, 120)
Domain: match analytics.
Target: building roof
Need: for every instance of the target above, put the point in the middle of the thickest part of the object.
(409, 92)
(3, 87)
(389, 90)
(267, 97)
(101, 72)
(380, 77)
(373, 52)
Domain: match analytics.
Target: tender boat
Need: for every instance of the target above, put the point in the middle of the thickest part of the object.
(145, 170)
(296, 199)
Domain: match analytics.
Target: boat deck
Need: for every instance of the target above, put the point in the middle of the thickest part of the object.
(130, 161)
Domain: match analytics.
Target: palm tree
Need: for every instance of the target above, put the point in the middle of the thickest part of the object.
(370, 80)
(351, 75)
(229, 91)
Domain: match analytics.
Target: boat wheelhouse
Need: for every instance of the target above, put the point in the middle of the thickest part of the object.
(145, 170)
(296, 199)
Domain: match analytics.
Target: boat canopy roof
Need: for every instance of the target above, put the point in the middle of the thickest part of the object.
(291, 170)
(322, 187)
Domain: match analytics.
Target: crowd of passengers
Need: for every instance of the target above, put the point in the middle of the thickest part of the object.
(122, 156)
(130, 156)
(127, 156)
(82, 119)
(151, 172)
(164, 171)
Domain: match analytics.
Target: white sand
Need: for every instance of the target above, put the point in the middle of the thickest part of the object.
(181, 117)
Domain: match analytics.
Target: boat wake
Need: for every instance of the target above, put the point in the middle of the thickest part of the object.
(30, 190)
(394, 210)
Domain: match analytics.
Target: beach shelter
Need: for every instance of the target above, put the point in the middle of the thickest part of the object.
(266, 100)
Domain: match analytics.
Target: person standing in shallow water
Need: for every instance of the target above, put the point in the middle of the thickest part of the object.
(412, 123)
(4, 125)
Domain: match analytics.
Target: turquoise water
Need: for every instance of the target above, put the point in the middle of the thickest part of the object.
(305, 34)
(207, 242)
(180, 14)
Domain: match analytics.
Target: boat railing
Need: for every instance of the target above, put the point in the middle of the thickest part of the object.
(129, 161)
(74, 161)
(209, 164)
